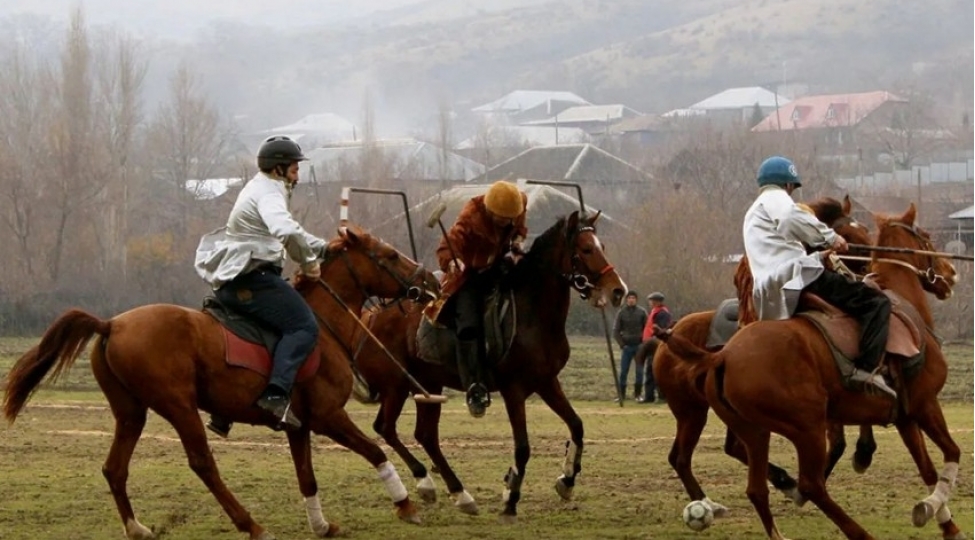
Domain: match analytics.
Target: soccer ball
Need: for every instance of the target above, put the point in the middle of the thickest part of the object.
(698, 515)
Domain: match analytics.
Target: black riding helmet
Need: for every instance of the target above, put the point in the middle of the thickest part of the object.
(278, 150)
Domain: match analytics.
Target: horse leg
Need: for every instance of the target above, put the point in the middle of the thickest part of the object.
(812, 456)
(836, 434)
(340, 428)
(690, 425)
(189, 427)
(385, 425)
(427, 432)
(866, 446)
(779, 478)
(130, 419)
(514, 402)
(940, 486)
(553, 396)
(300, 444)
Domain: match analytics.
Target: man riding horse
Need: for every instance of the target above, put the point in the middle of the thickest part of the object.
(774, 231)
(488, 233)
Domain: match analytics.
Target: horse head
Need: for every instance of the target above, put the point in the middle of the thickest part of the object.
(590, 272)
(838, 216)
(375, 267)
(937, 274)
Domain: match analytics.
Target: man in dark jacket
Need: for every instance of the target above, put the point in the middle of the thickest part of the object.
(628, 332)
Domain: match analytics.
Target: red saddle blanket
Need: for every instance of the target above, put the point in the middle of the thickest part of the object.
(256, 357)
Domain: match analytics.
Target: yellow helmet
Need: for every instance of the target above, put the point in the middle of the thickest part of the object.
(504, 199)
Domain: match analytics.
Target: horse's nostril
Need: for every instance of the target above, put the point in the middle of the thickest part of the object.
(618, 293)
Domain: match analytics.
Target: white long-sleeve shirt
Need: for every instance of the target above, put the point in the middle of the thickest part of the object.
(260, 229)
(774, 231)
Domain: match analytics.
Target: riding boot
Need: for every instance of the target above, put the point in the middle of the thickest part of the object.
(219, 425)
(278, 405)
(468, 364)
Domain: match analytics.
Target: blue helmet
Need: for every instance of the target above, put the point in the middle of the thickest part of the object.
(778, 171)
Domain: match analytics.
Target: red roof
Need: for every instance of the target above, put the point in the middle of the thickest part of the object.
(811, 112)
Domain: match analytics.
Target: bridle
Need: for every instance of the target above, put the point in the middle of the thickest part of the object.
(408, 284)
(582, 280)
(929, 274)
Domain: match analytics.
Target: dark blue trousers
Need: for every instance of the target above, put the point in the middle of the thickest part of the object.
(267, 298)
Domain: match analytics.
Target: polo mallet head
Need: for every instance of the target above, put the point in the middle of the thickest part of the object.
(436, 214)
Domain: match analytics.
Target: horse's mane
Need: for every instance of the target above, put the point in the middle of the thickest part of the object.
(828, 209)
(548, 239)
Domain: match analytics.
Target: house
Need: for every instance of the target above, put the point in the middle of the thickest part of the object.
(523, 106)
(593, 119)
(646, 130)
(313, 130)
(733, 105)
(609, 182)
(394, 159)
(834, 121)
(501, 136)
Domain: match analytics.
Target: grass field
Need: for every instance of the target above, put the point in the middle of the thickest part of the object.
(51, 484)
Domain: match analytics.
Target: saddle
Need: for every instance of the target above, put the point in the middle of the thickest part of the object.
(249, 344)
(723, 325)
(905, 338)
(437, 344)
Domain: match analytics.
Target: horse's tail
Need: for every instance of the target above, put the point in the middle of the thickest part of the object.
(685, 348)
(61, 345)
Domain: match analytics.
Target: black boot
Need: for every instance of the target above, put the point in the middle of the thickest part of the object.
(637, 388)
(468, 367)
(219, 425)
(278, 405)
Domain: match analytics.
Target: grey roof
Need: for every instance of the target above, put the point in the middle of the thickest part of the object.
(411, 159)
(583, 163)
(325, 125)
(512, 136)
(739, 98)
(589, 113)
(967, 213)
(521, 100)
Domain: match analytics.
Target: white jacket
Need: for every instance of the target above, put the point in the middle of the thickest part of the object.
(260, 229)
(774, 230)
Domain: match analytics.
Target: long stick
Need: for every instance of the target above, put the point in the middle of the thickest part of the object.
(864, 247)
(612, 361)
(427, 396)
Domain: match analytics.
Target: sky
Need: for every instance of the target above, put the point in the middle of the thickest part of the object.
(181, 19)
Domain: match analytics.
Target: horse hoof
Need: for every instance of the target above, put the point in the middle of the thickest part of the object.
(564, 491)
(796, 497)
(507, 519)
(137, 531)
(263, 536)
(469, 508)
(719, 510)
(427, 495)
(332, 531)
(860, 466)
(957, 536)
(406, 511)
(464, 502)
(922, 513)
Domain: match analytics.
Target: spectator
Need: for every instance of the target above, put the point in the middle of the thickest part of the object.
(628, 329)
(659, 316)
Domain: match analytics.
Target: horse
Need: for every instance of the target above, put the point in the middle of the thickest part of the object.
(780, 376)
(680, 381)
(171, 359)
(568, 255)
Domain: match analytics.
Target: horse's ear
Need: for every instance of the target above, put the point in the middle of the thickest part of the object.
(910, 215)
(572, 223)
(847, 205)
(348, 235)
(595, 217)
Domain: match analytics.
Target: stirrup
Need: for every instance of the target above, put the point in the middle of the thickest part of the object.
(874, 378)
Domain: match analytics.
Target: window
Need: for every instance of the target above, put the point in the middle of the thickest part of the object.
(795, 114)
(830, 113)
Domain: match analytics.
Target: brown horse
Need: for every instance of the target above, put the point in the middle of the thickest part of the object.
(780, 376)
(171, 359)
(568, 255)
(681, 381)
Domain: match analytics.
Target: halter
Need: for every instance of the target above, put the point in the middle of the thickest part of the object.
(406, 284)
(929, 274)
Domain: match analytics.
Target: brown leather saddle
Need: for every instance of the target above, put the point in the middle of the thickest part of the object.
(905, 339)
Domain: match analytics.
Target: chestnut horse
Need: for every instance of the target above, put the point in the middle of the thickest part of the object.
(566, 255)
(171, 359)
(680, 380)
(780, 376)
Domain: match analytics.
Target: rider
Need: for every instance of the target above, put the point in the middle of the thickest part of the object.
(243, 263)
(774, 231)
(489, 229)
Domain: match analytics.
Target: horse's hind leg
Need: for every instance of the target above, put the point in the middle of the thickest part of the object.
(340, 428)
(553, 396)
(777, 476)
(130, 419)
(427, 432)
(385, 425)
(866, 446)
(189, 427)
(300, 444)
(811, 451)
